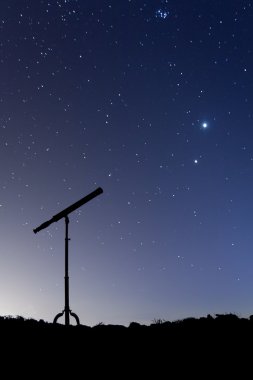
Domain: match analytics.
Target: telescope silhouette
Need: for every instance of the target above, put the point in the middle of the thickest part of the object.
(69, 209)
(64, 214)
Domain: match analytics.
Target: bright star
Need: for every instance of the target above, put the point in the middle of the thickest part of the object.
(204, 125)
(195, 161)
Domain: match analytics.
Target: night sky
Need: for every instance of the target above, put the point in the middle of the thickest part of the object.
(153, 101)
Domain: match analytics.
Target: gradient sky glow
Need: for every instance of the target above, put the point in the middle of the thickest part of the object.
(153, 101)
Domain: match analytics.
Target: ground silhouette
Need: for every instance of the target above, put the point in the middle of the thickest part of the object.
(220, 328)
(221, 344)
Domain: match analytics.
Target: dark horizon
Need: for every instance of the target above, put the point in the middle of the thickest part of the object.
(223, 319)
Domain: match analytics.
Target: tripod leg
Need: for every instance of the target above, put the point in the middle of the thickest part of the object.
(59, 315)
(75, 316)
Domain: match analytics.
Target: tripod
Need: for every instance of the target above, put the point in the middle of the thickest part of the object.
(67, 310)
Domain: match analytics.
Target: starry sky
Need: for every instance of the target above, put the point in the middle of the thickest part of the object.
(152, 101)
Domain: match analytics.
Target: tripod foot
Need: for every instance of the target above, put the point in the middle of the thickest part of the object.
(75, 316)
(59, 315)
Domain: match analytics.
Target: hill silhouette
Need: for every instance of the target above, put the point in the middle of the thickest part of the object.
(220, 328)
(214, 342)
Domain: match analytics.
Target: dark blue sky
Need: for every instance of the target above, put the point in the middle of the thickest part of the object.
(152, 101)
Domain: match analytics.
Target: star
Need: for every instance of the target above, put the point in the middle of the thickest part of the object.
(204, 125)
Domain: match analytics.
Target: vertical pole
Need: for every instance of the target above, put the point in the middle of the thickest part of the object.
(66, 310)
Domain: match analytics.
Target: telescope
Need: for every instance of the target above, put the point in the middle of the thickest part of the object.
(64, 214)
(69, 209)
